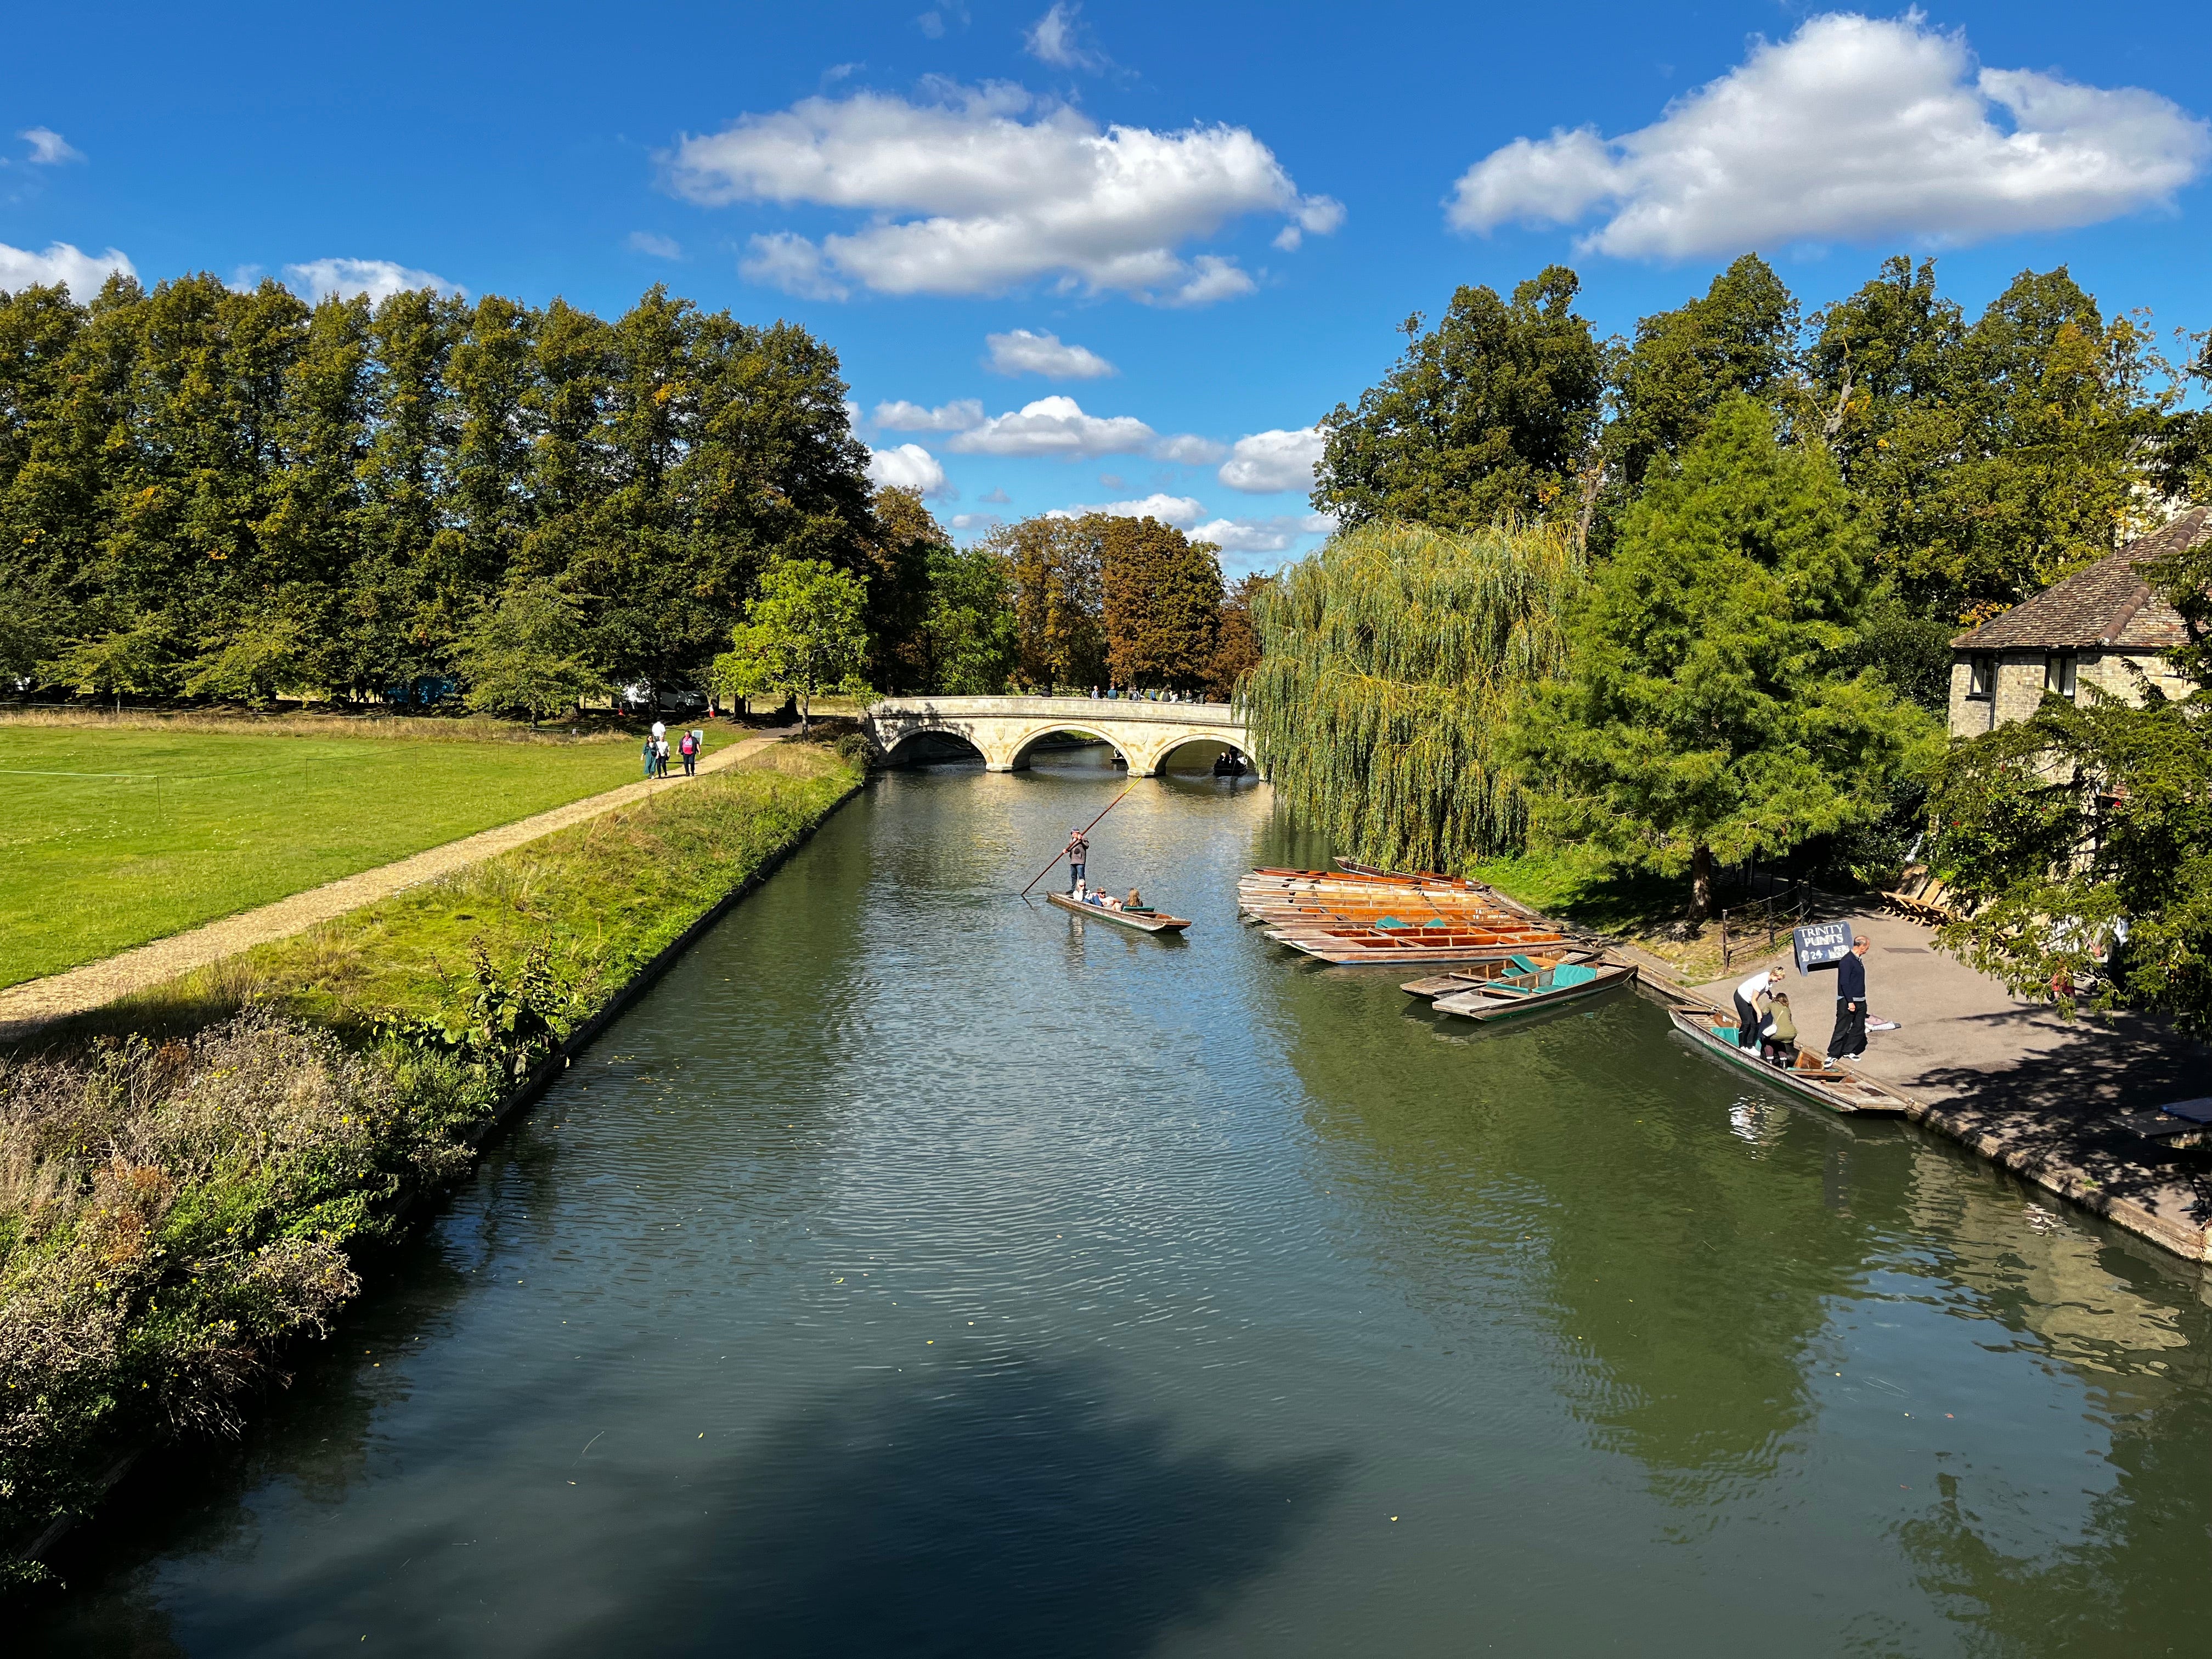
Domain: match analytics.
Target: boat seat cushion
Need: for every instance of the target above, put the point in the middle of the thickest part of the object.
(1521, 965)
(1572, 974)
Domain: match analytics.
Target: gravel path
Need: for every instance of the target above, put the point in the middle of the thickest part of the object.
(24, 1008)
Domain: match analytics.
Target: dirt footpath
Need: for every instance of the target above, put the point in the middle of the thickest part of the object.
(2017, 1082)
(24, 1008)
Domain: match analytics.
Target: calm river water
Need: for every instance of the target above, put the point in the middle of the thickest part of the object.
(916, 1271)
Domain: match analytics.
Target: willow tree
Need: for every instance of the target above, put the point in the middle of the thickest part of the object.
(1392, 662)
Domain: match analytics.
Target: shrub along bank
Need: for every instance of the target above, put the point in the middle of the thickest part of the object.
(187, 1180)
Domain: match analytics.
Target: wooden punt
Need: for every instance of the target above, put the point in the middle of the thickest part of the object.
(1510, 994)
(1475, 976)
(1141, 921)
(1836, 1087)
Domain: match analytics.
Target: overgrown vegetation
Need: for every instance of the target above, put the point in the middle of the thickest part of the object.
(187, 1179)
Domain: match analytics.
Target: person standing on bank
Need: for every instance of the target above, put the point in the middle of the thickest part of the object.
(1079, 850)
(1849, 1041)
(1748, 1018)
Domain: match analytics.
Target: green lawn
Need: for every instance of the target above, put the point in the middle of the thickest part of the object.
(111, 837)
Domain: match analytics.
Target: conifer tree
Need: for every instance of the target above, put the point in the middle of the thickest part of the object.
(1707, 714)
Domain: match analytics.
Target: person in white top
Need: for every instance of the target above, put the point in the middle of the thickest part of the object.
(1748, 998)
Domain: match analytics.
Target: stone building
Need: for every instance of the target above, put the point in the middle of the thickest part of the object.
(2103, 627)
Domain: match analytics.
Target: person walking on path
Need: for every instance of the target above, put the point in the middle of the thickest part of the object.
(1849, 1040)
(1748, 1018)
(660, 756)
(1079, 850)
(689, 747)
(651, 753)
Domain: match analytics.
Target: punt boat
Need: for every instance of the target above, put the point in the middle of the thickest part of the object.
(1141, 921)
(1521, 984)
(1836, 1087)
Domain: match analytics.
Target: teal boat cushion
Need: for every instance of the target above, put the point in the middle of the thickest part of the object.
(1521, 965)
(1393, 923)
(1573, 974)
(1726, 1034)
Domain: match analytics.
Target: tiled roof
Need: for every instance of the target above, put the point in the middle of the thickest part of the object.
(2109, 604)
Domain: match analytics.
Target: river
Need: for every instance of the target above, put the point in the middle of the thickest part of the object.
(915, 1271)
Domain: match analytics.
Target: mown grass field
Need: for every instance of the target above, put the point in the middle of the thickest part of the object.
(113, 836)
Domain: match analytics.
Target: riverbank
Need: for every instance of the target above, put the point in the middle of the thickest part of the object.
(189, 1177)
(2051, 1100)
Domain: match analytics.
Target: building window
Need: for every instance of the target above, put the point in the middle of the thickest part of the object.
(2058, 674)
(1982, 675)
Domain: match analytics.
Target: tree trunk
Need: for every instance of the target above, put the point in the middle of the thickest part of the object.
(1701, 886)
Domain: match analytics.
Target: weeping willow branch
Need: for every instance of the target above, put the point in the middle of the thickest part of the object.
(1391, 663)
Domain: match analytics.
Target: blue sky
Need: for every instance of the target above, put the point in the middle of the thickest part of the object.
(909, 180)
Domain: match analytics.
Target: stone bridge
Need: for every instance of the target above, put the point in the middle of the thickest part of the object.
(1005, 729)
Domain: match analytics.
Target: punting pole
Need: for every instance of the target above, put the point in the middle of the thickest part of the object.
(1087, 829)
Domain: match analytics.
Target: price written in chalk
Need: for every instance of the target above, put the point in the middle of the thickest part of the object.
(1821, 945)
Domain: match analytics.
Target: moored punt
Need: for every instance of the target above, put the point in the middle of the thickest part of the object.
(1142, 921)
(1510, 994)
(1475, 976)
(1836, 1087)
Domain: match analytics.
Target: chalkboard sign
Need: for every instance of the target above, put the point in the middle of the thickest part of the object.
(1821, 945)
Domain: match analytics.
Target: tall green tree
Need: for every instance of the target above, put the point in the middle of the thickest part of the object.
(802, 635)
(1708, 714)
(1737, 339)
(1994, 458)
(906, 548)
(1162, 598)
(970, 642)
(529, 652)
(1488, 415)
(1392, 662)
(1237, 640)
(1055, 568)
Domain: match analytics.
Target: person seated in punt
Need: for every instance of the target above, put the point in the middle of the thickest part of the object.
(1134, 902)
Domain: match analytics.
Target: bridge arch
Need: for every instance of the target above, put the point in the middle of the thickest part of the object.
(1017, 751)
(1209, 743)
(908, 747)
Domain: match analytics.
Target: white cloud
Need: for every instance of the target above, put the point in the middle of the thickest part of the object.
(910, 466)
(1186, 450)
(1053, 427)
(1266, 463)
(960, 415)
(999, 188)
(976, 521)
(790, 262)
(379, 279)
(81, 273)
(996, 496)
(1168, 509)
(48, 148)
(1270, 535)
(1052, 38)
(1023, 353)
(652, 243)
(1854, 129)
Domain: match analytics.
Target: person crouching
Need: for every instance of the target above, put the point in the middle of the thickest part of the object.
(1777, 1037)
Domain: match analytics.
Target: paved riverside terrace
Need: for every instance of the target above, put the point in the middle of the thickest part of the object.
(1005, 729)
(39, 1002)
(2019, 1083)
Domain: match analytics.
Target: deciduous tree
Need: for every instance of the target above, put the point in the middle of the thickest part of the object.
(802, 635)
(1161, 595)
(1393, 660)
(529, 652)
(1489, 414)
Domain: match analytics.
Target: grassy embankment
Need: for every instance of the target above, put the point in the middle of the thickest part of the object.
(113, 833)
(188, 1179)
(1643, 910)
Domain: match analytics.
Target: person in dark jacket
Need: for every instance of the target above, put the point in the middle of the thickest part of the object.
(1079, 850)
(1849, 1041)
